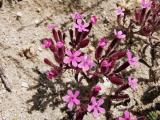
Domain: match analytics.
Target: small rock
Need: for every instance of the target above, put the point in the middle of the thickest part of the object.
(25, 85)
(36, 21)
(19, 14)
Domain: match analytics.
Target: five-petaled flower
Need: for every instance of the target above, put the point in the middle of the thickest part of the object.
(133, 61)
(120, 11)
(119, 34)
(46, 43)
(93, 19)
(86, 63)
(127, 116)
(81, 26)
(146, 4)
(102, 42)
(95, 107)
(71, 99)
(72, 57)
(76, 16)
(132, 82)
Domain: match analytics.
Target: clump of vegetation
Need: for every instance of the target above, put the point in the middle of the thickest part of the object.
(99, 76)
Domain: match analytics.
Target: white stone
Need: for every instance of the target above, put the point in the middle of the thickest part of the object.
(19, 14)
(25, 85)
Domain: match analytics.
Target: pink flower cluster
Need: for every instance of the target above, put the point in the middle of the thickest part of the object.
(109, 62)
(73, 58)
(80, 24)
(94, 107)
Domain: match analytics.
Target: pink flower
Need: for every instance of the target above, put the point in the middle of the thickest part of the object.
(133, 61)
(76, 16)
(47, 43)
(81, 26)
(146, 4)
(119, 34)
(93, 19)
(72, 57)
(127, 116)
(71, 99)
(95, 107)
(59, 44)
(120, 11)
(51, 74)
(51, 26)
(102, 42)
(86, 63)
(132, 83)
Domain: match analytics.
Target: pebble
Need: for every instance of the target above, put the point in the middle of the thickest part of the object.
(25, 85)
(36, 21)
(19, 14)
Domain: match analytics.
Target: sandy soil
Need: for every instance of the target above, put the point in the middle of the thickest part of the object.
(21, 53)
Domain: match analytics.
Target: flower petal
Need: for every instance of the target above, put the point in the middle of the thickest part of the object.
(68, 52)
(90, 108)
(76, 101)
(70, 105)
(100, 102)
(74, 63)
(66, 98)
(101, 110)
(70, 93)
(77, 53)
(120, 118)
(76, 93)
(95, 113)
(78, 59)
(66, 60)
(80, 65)
(85, 67)
(127, 114)
(93, 100)
(120, 33)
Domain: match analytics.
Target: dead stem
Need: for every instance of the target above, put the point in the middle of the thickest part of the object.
(4, 80)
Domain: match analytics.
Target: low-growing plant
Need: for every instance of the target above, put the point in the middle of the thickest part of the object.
(144, 22)
(103, 70)
(99, 75)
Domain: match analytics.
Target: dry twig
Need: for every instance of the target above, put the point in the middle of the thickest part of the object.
(4, 80)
